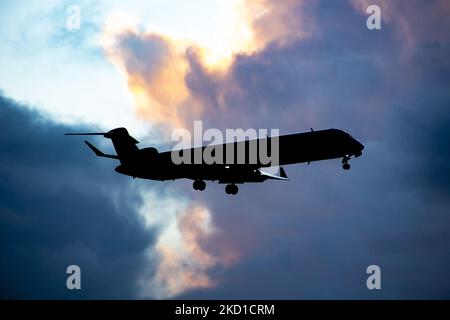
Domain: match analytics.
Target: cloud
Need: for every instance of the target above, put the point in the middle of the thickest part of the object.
(183, 262)
(173, 83)
(61, 206)
(155, 69)
(164, 72)
(415, 22)
(318, 240)
(183, 257)
(314, 236)
(280, 22)
(165, 76)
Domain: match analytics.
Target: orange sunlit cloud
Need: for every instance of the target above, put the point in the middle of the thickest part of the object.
(156, 64)
(183, 262)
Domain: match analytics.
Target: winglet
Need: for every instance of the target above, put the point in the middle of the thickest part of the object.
(98, 153)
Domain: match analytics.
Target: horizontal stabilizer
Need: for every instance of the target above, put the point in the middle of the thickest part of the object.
(281, 175)
(85, 134)
(98, 153)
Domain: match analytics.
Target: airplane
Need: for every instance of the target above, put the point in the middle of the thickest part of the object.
(149, 163)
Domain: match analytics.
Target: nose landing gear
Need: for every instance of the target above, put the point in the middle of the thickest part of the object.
(345, 164)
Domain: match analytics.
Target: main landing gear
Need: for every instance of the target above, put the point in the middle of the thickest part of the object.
(231, 189)
(199, 185)
(345, 164)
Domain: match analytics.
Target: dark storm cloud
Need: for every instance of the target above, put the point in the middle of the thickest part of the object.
(314, 236)
(311, 237)
(333, 77)
(59, 206)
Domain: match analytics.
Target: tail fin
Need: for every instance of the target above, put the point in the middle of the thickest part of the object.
(124, 144)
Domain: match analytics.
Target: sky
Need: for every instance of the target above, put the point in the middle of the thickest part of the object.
(155, 66)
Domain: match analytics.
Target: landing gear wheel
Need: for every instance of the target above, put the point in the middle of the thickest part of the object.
(231, 189)
(199, 185)
(345, 164)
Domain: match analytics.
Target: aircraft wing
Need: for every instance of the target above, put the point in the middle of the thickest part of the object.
(280, 175)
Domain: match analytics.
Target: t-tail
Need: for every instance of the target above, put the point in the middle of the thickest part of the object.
(124, 144)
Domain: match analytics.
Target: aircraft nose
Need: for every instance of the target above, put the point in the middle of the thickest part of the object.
(358, 147)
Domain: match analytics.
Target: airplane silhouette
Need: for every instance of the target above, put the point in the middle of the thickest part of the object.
(305, 147)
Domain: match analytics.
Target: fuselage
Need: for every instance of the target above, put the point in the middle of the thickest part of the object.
(293, 148)
(231, 163)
